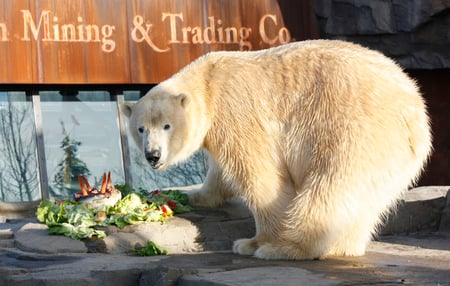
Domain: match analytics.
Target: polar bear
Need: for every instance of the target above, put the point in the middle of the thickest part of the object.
(319, 138)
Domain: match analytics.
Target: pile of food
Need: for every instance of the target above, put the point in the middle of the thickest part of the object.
(84, 215)
(107, 195)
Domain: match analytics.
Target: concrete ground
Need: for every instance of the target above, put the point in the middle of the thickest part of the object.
(413, 250)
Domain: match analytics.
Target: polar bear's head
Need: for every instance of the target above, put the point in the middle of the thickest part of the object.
(158, 123)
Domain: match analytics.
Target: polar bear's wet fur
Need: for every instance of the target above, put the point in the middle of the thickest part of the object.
(319, 138)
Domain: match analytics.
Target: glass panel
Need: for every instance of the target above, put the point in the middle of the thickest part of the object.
(191, 172)
(81, 136)
(19, 175)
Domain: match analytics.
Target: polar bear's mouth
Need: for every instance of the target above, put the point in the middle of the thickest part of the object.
(156, 165)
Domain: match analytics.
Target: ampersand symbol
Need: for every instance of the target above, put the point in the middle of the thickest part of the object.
(141, 33)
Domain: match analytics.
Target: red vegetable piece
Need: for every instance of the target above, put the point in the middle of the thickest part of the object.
(103, 189)
(172, 204)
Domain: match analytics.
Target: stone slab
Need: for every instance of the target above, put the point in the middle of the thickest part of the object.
(6, 233)
(392, 262)
(9, 210)
(33, 237)
(420, 209)
(178, 235)
(258, 276)
(444, 225)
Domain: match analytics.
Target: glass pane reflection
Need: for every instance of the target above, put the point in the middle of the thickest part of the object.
(19, 173)
(81, 136)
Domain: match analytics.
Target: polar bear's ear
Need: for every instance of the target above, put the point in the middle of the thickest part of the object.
(127, 108)
(183, 99)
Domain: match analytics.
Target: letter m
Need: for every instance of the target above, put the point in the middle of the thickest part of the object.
(30, 25)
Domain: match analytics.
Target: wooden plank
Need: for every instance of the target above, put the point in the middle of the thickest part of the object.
(148, 49)
(59, 60)
(17, 58)
(110, 61)
(77, 44)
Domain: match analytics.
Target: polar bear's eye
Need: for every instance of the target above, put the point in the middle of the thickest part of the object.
(167, 127)
(141, 129)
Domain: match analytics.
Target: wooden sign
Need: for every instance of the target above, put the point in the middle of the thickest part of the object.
(117, 41)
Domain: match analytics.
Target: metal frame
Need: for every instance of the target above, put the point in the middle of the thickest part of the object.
(126, 161)
(43, 175)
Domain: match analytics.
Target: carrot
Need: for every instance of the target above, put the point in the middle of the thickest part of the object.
(103, 189)
(83, 190)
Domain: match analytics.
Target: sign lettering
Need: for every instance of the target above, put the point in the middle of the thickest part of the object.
(127, 47)
(48, 28)
(3, 33)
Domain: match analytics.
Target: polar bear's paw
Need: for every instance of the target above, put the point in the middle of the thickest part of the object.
(245, 246)
(202, 198)
(271, 251)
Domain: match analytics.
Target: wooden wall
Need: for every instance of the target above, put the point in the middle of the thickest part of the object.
(134, 41)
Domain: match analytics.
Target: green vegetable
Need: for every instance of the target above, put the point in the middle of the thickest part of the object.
(150, 250)
(75, 232)
(180, 199)
(78, 221)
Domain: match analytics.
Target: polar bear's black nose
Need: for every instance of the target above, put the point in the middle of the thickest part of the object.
(153, 156)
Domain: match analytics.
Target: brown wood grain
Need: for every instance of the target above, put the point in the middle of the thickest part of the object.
(17, 58)
(133, 41)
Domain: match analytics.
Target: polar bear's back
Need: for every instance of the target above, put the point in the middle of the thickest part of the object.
(330, 87)
(310, 72)
(339, 109)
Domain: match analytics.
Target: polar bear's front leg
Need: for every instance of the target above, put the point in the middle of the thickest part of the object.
(268, 205)
(215, 189)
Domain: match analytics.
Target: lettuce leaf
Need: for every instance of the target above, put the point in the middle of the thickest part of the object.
(75, 232)
(150, 250)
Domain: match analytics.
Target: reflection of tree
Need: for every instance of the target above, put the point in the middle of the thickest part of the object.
(71, 165)
(18, 170)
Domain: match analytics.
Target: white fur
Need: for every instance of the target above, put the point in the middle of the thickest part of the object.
(320, 138)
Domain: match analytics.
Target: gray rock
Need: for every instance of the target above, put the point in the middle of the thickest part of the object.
(350, 17)
(419, 210)
(444, 225)
(410, 14)
(177, 236)
(11, 210)
(7, 243)
(414, 33)
(258, 276)
(6, 233)
(163, 276)
(322, 8)
(34, 237)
